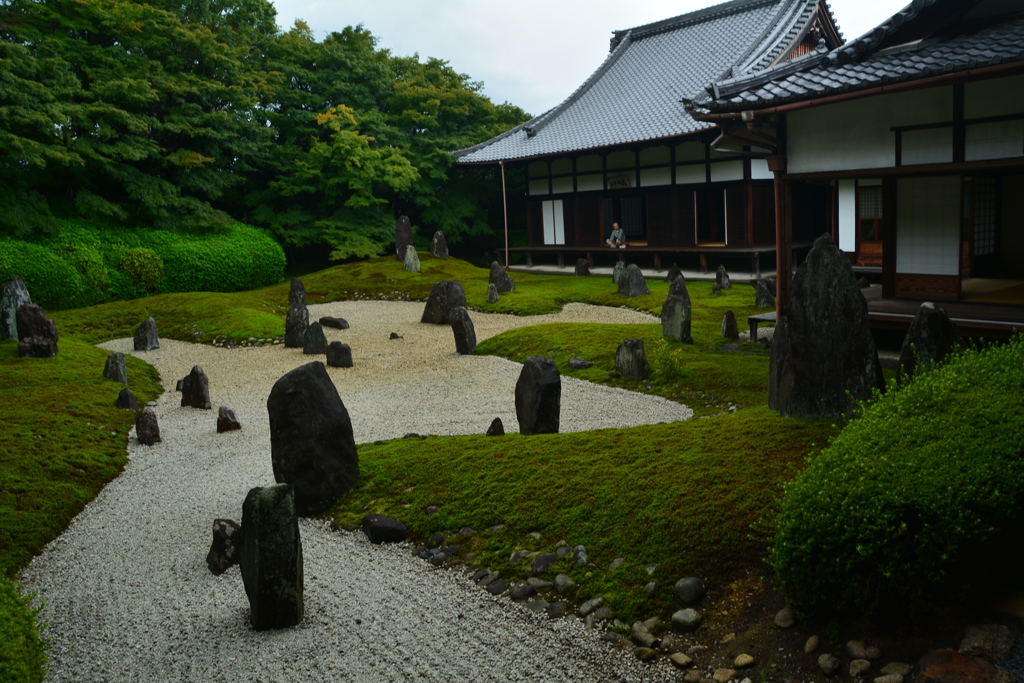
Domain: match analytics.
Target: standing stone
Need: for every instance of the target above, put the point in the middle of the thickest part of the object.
(676, 312)
(582, 268)
(145, 338)
(295, 326)
(227, 421)
(497, 428)
(465, 333)
(439, 245)
(339, 355)
(314, 341)
(296, 293)
(631, 359)
(823, 356)
(690, 590)
(500, 278)
(632, 282)
(618, 271)
(126, 400)
(380, 529)
(673, 273)
(311, 443)
(37, 335)
(492, 294)
(411, 260)
(272, 557)
(722, 278)
(539, 396)
(195, 389)
(116, 368)
(403, 236)
(13, 295)
(225, 550)
(765, 293)
(729, 327)
(932, 336)
(336, 323)
(444, 296)
(147, 430)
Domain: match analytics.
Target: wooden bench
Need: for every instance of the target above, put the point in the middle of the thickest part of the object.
(755, 320)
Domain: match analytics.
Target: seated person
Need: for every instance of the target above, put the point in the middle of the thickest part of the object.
(617, 238)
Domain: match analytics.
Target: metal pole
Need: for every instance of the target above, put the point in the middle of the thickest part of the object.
(504, 208)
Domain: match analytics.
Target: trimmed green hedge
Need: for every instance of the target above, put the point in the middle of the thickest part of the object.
(83, 264)
(922, 495)
(22, 651)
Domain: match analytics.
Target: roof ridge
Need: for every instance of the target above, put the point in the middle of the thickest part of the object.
(786, 8)
(696, 17)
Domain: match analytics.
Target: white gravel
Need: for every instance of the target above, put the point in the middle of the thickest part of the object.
(127, 593)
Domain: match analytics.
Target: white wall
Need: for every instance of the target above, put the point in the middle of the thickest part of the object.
(848, 215)
(994, 97)
(928, 225)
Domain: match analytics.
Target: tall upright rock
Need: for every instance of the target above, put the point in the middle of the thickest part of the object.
(403, 236)
(823, 356)
(271, 558)
(931, 337)
(539, 396)
(13, 295)
(676, 314)
(445, 296)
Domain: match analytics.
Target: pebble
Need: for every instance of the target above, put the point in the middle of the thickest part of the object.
(743, 661)
(811, 645)
(785, 618)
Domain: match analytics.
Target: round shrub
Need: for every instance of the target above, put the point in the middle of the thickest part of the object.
(143, 267)
(22, 652)
(206, 266)
(88, 261)
(51, 282)
(920, 496)
(268, 259)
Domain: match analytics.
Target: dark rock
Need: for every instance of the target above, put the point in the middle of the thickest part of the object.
(582, 268)
(339, 355)
(542, 563)
(676, 313)
(13, 295)
(823, 357)
(632, 282)
(314, 341)
(126, 400)
(497, 587)
(226, 420)
(686, 620)
(463, 330)
(403, 236)
(785, 618)
(557, 610)
(195, 389)
(859, 649)
(295, 326)
(501, 279)
(37, 335)
(395, 335)
(765, 298)
(993, 642)
(411, 262)
(522, 591)
(949, 666)
(311, 443)
(579, 555)
(225, 550)
(492, 294)
(618, 271)
(579, 364)
(589, 606)
(716, 289)
(539, 396)
(440, 558)
(271, 557)
(828, 663)
(674, 273)
(116, 368)
(690, 590)
(496, 428)
(444, 296)
(147, 431)
(863, 283)
(631, 359)
(381, 529)
(642, 635)
(145, 338)
(932, 336)
(439, 245)
(336, 323)
(729, 328)
(296, 293)
(722, 278)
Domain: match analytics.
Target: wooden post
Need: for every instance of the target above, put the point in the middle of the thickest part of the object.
(783, 234)
(504, 209)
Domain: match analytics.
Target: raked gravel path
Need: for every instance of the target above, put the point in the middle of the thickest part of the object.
(127, 592)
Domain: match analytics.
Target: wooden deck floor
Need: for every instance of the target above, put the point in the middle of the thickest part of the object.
(975, 318)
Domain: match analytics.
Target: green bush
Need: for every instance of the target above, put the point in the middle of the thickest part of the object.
(51, 282)
(22, 651)
(88, 261)
(919, 496)
(242, 258)
(143, 267)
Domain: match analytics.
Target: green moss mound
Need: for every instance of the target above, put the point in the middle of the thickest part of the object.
(22, 651)
(915, 498)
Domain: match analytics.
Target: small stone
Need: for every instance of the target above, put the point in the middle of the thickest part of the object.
(828, 663)
(690, 590)
(542, 563)
(579, 555)
(589, 606)
(126, 400)
(642, 635)
(693, 676)
(730, 330)
(859, 649)
(723, 675)
(522, 591)
(811, 645)
(145, 338)
(497, 587)
(496, 428)
(225, 550)
(562, 582)
(603, 613)
(645, 654)
(147, 431)
(195, 389)
(650, 586)
(612, 637)
(579, 364)
(381, 529)
(411, 262)
(339, 355)
(335, 323)
(314, 341)
(686, 620)
(993, 642)
(680, 660)
(582, 268)
(890, 678)
(897, 668)
(536, 606)
(743, 661)
(439, 246)
(226, 420)
(492, 294)
(785, 618)
(557, 610)
(616, 563)
(858, 667)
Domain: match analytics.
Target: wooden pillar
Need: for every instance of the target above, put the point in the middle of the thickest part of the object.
(889, 205)
(783, 233)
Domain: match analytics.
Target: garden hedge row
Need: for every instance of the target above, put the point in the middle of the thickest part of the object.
(84, 264)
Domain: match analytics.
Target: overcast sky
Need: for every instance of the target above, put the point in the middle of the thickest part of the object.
(534, 54)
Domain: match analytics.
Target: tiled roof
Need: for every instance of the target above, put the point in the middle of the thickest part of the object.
(892, 52)
(636, 93)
